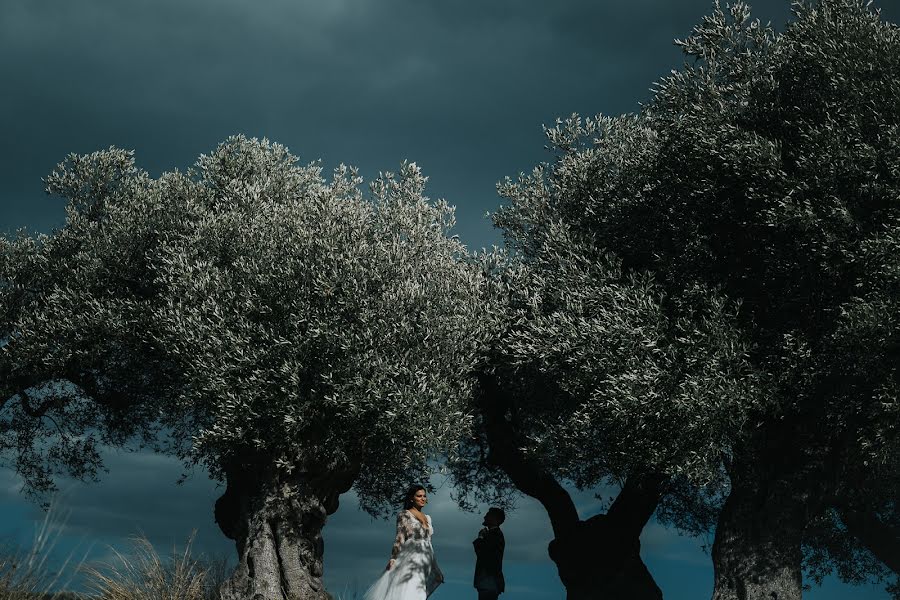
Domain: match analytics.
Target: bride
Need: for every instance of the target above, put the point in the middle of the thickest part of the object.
(412, 573)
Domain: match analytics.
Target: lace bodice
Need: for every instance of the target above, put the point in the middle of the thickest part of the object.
(413, 572)
(410, 528)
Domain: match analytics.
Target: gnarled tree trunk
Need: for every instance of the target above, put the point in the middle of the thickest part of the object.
(276, 522)
(757, 548)
(598, 558)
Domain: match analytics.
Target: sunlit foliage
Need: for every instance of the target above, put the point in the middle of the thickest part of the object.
(252, 307)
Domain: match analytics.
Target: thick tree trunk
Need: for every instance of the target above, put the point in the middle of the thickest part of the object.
(599, 558)
(277, 523)
(757, 547)
(596, 561)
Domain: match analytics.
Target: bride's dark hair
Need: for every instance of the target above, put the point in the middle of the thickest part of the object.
(410, 494)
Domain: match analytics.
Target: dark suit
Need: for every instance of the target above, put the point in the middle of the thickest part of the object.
(489, 563)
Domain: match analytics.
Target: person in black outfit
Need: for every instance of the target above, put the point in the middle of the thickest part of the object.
(489, 547)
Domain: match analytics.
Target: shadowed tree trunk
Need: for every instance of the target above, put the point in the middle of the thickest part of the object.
(598, 558)
(776, 492)
(757, 548)
(757, 551)
(276, 523)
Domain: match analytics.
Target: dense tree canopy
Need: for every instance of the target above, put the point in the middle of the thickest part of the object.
(643, 379)
(289, 332)
(77, 370)
(710, 286)
(595, 375)
(765, 171)
(313, 325)
(779, 155)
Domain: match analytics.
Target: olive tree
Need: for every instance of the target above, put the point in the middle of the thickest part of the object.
(75, 372)
(310, 337)
(781, 153)
(596, 373)
(595, 376)
(766, 170)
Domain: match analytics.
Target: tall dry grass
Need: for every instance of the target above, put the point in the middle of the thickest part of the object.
(33, 574)
(144, 575)
(348, 593)
(29, 574)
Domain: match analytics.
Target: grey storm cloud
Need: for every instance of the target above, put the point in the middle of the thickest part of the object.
(462, 87)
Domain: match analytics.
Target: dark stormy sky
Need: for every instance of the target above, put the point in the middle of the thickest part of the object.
(462, 87)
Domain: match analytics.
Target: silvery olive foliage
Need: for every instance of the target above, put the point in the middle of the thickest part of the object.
(76, 370)
(780, 155)
(265, 309)
(756, 196)
(612, 373)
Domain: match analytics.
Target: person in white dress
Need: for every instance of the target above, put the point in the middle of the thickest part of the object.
(412, 573)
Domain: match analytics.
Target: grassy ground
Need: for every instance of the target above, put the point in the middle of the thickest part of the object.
(139, 573)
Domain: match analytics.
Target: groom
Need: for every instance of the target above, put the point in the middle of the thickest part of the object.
(489, 556)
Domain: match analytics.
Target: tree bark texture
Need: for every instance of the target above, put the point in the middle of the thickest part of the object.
(757, 548)
(598, 558)
(276, 523)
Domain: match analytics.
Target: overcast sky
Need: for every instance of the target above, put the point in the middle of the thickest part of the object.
(462, 87)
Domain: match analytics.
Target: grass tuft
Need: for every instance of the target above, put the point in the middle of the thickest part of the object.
(144, 575)
(28, 574)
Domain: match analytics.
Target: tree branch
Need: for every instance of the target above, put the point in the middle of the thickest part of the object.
(527, 474)
(41, 409)
(89, 387)
(12, 387)
(637, 501)
(882, 540)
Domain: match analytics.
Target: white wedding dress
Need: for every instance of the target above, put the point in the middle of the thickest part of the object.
(415, 574)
